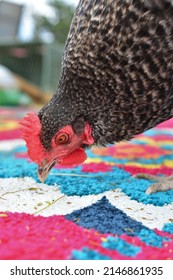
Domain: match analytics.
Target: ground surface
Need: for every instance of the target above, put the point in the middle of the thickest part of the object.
(94, 211)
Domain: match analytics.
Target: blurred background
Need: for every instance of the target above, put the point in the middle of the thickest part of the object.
(32, 38)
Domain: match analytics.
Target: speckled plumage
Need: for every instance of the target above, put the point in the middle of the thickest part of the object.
(117, 70)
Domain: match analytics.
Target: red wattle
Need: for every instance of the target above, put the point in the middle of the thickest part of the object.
(76, 157)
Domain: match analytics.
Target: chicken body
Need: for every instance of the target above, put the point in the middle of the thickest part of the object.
(117, 71)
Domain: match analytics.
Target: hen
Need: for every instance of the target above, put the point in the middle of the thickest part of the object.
(116, 81)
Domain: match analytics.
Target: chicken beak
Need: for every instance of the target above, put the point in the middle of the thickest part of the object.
(42, 173)
(44, 170)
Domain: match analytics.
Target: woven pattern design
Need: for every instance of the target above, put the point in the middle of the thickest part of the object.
(94, 211)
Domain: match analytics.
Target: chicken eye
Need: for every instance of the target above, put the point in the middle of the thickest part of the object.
(61, 139)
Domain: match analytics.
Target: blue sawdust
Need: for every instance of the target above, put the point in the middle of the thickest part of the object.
(136, 188)
(168, 228)
(151, 238)
(123, 247)
(97, 182)
(167, 147)
(101, 182)
(155, 132)
(105, 218)
(88, 254)
(11, 167)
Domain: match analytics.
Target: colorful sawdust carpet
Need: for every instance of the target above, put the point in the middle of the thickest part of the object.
(94, 211)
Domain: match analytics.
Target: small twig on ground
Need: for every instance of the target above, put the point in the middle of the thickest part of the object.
(50, 204)
(70, 174)
(28, 189)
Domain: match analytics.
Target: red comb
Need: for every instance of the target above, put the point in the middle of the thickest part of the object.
(31, 128)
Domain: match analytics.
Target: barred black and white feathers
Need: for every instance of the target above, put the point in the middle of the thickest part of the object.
(117, 70)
